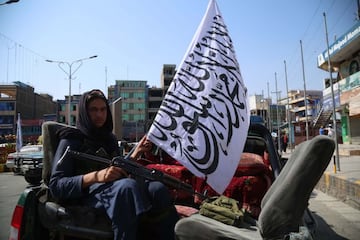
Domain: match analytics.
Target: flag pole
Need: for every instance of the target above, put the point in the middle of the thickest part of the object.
(18, 134)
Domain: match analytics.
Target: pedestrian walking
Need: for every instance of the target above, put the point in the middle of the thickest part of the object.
(330, 131)
(284, 141)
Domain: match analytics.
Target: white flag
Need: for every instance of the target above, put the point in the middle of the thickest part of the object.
(204, 118)
(18, 134)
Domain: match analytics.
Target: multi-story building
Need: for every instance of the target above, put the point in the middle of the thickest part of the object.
(139, 102)
(167, 75)
(63, 112)
(302, 113)
(33, 107)
(288, 111)
(133, 94)
(273, 115)
(344, 90)
(259, 106)
(301, 109)
(155, 94)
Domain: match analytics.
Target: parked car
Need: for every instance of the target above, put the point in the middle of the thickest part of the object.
(29, 158)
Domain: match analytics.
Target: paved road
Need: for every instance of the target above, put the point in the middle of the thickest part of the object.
(10, 189)
(336, 220)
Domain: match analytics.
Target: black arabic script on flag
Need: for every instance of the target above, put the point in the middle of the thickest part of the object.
(205, 108)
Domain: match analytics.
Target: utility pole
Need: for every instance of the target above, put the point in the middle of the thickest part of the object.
(288, 109)
(337, 162)
(262, 105)
(106, 77)
(277, 114)
(269, 109)
(305, 100)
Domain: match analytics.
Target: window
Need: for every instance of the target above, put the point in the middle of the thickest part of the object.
(139, 95)
(7, 106)
(124, 95)
(6, 120)
(353, 67)
(137, 117)
(139, 106)
(125, 106)
(62, 119)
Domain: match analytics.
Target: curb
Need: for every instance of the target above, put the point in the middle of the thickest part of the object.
(345, 189)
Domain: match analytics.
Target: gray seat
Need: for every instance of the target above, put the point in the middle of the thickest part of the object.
(73, 220)
(50, 143)
(283, 206)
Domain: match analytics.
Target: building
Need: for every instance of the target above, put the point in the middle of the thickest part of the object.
(139, 103)
(259, 106)
(273, 115)
(167, 75)
(33, 108)
(134, 95)
(344, 90)
(302, 114)
(281, 115)
(156, 95)
(63, 112)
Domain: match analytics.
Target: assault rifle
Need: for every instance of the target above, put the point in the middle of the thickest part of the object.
(137, 170)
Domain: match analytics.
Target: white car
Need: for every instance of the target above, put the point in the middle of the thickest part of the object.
(29, 156)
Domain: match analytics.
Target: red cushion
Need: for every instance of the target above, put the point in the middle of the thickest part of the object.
(179, 172)
(251, 164)
(248, 186)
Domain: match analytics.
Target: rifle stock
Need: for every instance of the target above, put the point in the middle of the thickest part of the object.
(137, 169)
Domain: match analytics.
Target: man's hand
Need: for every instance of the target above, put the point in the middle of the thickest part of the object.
(105, 175)
(110, 174)
(144, 145)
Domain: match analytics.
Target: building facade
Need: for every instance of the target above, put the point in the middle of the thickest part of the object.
(139, 102)
(260, 106)
(63, 106)
(304, 107)
(342, 94)
(33, 108)
(155, 94)
(134, 95)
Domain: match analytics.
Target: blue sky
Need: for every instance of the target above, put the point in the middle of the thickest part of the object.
(134, 38)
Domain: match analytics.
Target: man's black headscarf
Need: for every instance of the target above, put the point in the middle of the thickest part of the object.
(86, 129)
(84, 122)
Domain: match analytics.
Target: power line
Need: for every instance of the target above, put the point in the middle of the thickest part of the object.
(19, 44)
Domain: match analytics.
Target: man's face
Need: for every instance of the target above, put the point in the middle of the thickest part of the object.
(97, 112)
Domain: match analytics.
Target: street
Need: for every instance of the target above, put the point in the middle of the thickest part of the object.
(336, 220)
(11, 186)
